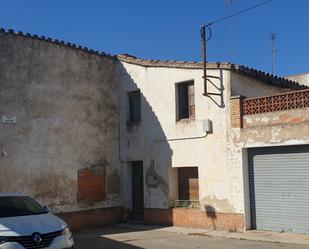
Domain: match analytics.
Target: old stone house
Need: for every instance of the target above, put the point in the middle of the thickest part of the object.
(101, 138)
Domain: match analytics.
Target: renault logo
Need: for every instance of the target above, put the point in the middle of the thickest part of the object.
(37, 239)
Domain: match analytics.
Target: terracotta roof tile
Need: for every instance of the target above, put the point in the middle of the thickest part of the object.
(240, 69)
(56, 41)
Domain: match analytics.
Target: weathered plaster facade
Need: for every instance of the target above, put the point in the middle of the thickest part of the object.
(164, 143)
(65, 103)
(263, 130)
(153, 141)
(72, 145)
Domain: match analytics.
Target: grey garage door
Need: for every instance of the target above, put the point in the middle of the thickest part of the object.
(279, 188)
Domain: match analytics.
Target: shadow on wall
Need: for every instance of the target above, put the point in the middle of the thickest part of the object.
(63, 143)
(217, 91)
(211, 214)
(145, 141)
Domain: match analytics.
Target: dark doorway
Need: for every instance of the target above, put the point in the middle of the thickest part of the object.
(137, 190)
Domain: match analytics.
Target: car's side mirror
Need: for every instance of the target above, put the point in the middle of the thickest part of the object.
(46, 209)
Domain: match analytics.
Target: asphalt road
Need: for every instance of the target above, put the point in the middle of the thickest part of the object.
(126, 238)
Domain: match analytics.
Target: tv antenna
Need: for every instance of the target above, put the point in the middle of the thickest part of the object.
(273, 52)
(230, 38)
(206, 38)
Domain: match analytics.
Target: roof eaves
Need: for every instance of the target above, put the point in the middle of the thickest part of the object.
(269, 79)
(171, 63)
(56, 41)
(240, 69)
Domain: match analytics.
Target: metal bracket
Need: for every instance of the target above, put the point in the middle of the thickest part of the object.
(206, 94)
(213, 77)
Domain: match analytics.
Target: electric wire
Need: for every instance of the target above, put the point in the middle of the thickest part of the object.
(203, 33)
(238, 13)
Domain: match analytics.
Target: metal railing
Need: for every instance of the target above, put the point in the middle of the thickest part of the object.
(193, 204)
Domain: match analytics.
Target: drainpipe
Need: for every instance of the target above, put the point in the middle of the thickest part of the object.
(118, 110)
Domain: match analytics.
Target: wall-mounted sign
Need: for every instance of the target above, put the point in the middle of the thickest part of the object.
(8, 119)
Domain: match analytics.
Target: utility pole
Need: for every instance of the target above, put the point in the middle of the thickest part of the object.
(273, 51)
(203, 36)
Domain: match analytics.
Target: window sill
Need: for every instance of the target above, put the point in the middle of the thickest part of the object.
(185, 120)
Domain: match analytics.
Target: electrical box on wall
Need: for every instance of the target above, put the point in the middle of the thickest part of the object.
(207, 126)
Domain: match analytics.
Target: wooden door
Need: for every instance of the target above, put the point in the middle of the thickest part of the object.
(137, 186)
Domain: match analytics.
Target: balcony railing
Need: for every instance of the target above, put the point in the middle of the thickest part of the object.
(280, 102)
(194, 204)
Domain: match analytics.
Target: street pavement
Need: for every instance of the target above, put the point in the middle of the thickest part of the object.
(118, 237)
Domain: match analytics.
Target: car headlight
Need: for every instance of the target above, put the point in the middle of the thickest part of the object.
(67, 232)
(2, 240)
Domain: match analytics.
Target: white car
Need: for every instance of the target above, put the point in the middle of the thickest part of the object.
(25, 224)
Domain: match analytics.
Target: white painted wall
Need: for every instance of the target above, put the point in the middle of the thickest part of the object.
(220, 157)
(300, 78)
(250, 88)
(154, 138)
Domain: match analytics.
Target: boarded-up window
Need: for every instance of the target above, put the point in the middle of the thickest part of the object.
(188, 187)
(91, 185)
(135, 106)
(186, 103)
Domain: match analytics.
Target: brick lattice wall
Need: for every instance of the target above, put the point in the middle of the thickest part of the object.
(280, 102)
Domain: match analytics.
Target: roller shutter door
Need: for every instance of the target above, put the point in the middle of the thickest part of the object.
(279, 188)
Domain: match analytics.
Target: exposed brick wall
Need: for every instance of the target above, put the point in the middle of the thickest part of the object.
(92, 218)
(236, 111)
(158, 216)
(216, 221)
(194, 218)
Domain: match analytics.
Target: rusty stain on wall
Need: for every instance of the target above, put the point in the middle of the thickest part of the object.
(92, 183)
(276, 118)
(290, 119)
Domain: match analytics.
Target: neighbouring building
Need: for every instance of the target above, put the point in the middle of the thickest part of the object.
(301, 78)
(58, 133)
(101, 138)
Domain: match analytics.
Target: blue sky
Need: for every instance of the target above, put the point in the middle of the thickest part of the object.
(169, 29)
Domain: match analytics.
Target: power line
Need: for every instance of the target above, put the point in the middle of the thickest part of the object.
(239, 12)
(204, 38)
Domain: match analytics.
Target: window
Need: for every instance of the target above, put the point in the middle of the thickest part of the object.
(188, 187)
(135, 106)
(185, 97)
